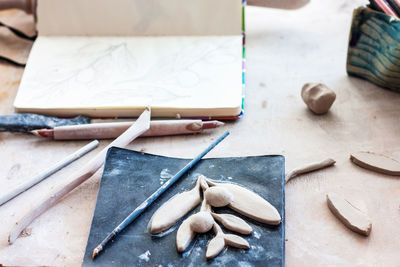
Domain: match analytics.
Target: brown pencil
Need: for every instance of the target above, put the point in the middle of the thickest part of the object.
(114, 129)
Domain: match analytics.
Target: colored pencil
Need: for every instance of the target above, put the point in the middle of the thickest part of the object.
(141, 125)
(395, 5)
(40, 177)
(385, 7)
(114, 129)
(145, 204)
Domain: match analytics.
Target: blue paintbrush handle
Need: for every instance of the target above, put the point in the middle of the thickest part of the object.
(139, 210)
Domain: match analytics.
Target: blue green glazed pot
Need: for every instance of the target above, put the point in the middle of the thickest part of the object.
(374, 48)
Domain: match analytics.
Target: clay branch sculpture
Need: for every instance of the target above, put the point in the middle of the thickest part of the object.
(234, 196)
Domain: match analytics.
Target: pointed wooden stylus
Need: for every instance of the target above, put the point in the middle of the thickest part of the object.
(141, 125)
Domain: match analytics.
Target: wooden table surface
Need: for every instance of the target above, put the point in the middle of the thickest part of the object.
(285, 49)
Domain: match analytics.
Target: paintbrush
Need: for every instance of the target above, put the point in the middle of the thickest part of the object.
(114, 129)
(145, 204)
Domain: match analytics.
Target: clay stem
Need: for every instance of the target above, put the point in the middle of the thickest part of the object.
(309, 168)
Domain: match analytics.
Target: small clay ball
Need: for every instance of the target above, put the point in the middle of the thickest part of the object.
(318, 97)
(201, 222)
(218, 196)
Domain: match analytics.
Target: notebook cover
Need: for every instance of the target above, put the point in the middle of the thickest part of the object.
(130, 177)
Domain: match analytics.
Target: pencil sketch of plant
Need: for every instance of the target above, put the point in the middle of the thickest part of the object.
(121, 70)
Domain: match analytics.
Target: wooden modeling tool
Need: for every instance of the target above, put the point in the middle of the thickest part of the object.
(40, 177)
(139, 210)
(141, 125)
(114, 129)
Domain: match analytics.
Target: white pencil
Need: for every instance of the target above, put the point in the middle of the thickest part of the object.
(40, 177)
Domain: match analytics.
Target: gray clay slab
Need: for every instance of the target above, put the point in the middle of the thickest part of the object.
(129, 177)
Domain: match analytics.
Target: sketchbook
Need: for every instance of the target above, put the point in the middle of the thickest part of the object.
(105, 58)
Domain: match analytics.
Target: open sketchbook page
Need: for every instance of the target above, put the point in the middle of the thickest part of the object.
(109, 76)
(139, 17)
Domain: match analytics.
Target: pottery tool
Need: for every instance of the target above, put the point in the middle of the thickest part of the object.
(40, 177)
(141, 125)
(129, 177)
(384, 6)
(25, 122)
(114, 129)
(142, 207)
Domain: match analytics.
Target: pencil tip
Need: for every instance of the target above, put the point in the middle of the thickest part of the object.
(212, 124)
(219, 123)
(43, 132)
(35, 132)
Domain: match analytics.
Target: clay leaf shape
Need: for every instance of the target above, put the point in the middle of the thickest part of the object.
(250, 204)
(376, 162)
(221, 240)
(184, 235)
(236, 241)
(174, 209)
(233, 223)
(349, 215)
(215, 246)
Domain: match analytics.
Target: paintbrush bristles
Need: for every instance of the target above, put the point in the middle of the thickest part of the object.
(96, 251)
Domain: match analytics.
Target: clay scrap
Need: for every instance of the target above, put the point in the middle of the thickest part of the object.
(376, 162)
(352, 217)
(318, 97)
(309, 168)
